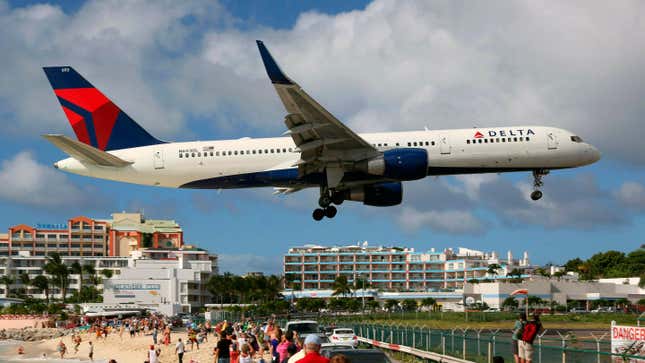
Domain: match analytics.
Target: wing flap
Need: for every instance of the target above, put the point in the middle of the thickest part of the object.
(85, 153)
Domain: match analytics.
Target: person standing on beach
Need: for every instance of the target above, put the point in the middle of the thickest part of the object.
(91, 353)
(518, 329)
(180, 350)
(152, 355)
(62, 349)
(154, 335)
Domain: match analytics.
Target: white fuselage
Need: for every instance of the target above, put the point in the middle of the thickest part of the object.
(459, 151)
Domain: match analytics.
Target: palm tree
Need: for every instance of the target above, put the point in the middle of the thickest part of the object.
(107, 273)
(76, 269)
(41, 282)
(7, 281)
(341, 286)
(493, 268)
(429, 302)
(59, 272)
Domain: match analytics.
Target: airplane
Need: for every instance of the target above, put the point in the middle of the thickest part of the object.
(316, 151)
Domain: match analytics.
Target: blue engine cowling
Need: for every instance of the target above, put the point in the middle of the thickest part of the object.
(378, 195)
(399, 164)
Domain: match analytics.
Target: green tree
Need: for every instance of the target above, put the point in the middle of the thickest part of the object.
(107, 273)
(341, 286)
(409, 305)
(493, 269)
(41, 282)
(510, 303)
(429, 302)
(59, 272)
(7, 281)
(391, 304)
(372, 305)
(573, 265)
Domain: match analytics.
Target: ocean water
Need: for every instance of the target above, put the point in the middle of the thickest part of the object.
(8, 354)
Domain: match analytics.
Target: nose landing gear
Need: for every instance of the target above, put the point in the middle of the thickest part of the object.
(327, 197)
(538, 174)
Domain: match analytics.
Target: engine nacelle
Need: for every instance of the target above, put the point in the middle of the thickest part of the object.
(378, 195)
(399, 164)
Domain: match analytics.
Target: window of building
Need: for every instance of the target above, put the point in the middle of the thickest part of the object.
(40, 235)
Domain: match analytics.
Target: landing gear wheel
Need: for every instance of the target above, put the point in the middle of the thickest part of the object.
(331, 211)
(324, 201)
(337, 198)
(318, 214)
(538, 174)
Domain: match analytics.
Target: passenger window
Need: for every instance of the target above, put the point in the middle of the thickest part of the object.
(480, 141)
(433, 143)
(266, 151)
(503, 139)
(414, 143)
(485, 141)
(253, 152)
(521, 139)
(181, 156)
(467, 141)
(272, 151)
(284, 150)
(193, 155)
(397, 144)
(409, 144)
(211, 153)
(497, 140)
(515, 139)
(217, 153)
(290, 150)
(385, 144)
(527, 139)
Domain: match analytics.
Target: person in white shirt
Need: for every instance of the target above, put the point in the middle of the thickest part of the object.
(180, 350)
(152, 355)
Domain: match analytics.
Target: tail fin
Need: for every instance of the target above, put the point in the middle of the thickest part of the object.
(96, 120)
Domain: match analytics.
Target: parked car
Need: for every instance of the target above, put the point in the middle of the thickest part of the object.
(360, 355)
(492, 310)
(303, 327)
(578, 310)
(343, 336)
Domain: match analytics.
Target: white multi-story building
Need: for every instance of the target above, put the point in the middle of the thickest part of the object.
(182, 272)
(314, 267)
(169, 286)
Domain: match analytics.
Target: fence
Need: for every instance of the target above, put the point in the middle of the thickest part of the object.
(474, 345)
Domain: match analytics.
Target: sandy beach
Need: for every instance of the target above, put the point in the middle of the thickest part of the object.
(124, 350)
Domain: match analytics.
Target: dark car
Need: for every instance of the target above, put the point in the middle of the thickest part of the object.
(360, 355)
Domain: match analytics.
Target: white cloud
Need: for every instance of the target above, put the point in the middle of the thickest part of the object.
(631, 194)
(25, 181)
(242, 263)
(452, 221)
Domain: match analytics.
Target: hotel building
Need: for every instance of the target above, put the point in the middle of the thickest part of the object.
(391, 268)
(86, 237)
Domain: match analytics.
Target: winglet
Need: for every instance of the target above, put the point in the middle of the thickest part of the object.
(273, 70)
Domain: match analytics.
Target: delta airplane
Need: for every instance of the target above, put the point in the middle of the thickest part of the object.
(319, 151)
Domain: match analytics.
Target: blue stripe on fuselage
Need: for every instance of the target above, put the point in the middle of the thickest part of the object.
(271, 178)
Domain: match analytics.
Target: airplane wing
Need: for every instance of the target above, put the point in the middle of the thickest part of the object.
(85, 153)
(325, 143)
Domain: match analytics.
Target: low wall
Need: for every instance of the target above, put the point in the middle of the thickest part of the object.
(22, 323)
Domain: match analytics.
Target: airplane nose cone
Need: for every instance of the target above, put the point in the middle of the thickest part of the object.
(594, 154)
(56, 165)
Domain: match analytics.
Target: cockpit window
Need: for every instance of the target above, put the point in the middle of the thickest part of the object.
(576, 139)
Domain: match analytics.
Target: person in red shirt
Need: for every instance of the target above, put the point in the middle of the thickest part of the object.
(312, 346)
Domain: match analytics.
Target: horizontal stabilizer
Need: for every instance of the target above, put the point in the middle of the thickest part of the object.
(85, 153)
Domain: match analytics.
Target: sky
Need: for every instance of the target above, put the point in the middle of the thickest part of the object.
(190, 70)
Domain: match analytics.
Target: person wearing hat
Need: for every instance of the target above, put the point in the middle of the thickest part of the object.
(312, 346)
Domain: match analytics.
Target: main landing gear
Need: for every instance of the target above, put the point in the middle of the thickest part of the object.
(538, 174)
(327, 197)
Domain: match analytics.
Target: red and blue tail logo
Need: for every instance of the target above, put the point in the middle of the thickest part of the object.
(96, 120)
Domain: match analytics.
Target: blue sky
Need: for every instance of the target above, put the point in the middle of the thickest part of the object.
(190, 70)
